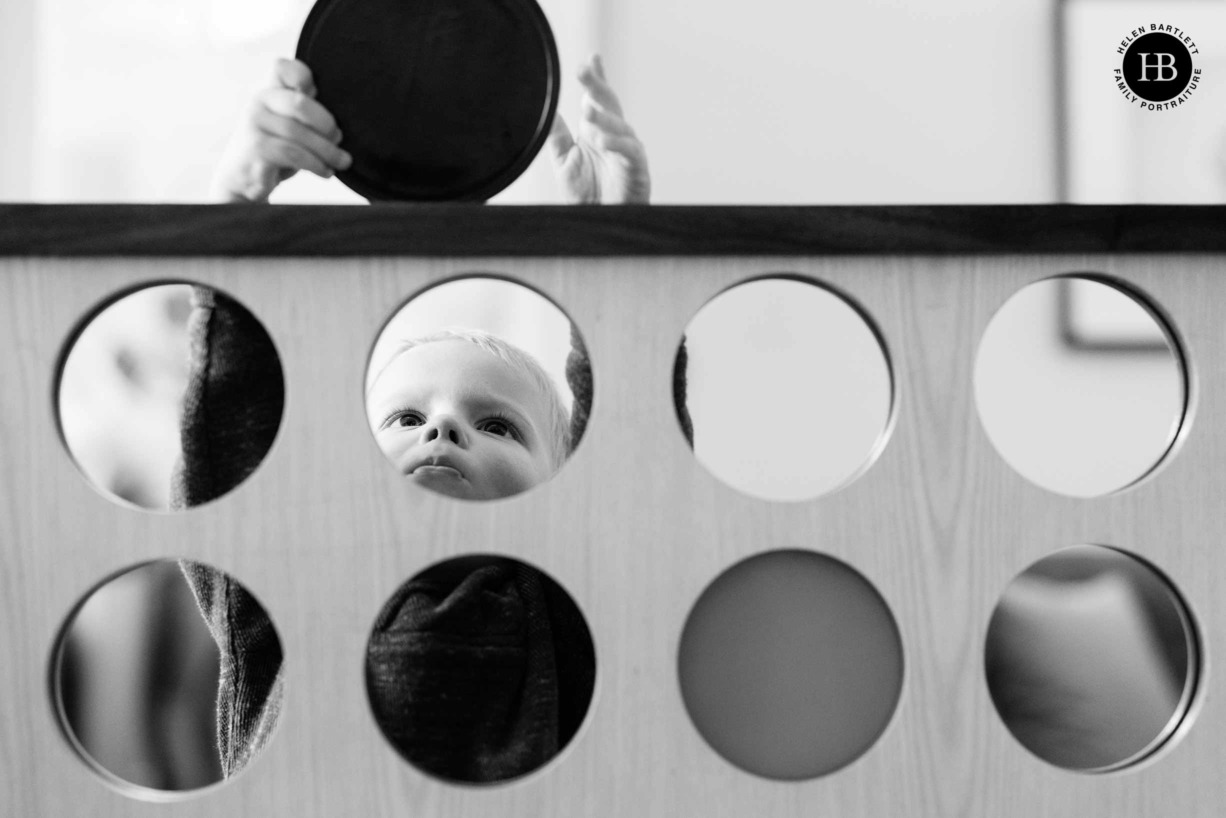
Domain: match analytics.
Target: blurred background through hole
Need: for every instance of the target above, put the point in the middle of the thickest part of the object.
(121, 393)
(1092, 659)
(1080, 386)
(789, 389)
(137, 680)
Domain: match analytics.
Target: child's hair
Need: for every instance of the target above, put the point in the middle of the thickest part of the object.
(514, 357)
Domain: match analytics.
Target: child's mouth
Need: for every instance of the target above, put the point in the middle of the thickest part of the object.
(437, 471)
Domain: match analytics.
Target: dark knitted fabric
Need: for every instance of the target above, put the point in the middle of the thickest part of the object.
(250, 684)
(231, 412)
(232, 406)
(479, 670)
(679, 394)
(481, 674)
(579, 377)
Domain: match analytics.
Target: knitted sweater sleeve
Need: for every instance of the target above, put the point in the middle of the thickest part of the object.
(231, 412)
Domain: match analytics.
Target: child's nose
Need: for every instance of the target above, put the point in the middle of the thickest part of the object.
(444, 427)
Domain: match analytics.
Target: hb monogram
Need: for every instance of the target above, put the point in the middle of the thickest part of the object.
(1161, 64)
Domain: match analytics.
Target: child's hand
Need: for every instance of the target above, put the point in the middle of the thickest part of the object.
(284, 131)
(605, 162)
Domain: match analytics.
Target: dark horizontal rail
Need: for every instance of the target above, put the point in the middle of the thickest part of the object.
(511, 230)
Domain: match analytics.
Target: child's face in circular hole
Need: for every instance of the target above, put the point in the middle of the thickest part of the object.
(460, 421)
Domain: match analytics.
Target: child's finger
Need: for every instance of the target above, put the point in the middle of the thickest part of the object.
(627, 147)
(600, 91)
(604, 120)
(294, 75)
(294, 131)
(298, 106)
(286, 154)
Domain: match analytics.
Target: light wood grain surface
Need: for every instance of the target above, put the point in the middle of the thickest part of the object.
(633, 527)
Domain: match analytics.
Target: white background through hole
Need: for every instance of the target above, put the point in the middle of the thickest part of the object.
(1082, 420)
(789, 389)
(121, 393)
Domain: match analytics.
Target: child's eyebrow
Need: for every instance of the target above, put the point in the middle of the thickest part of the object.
(486, 401)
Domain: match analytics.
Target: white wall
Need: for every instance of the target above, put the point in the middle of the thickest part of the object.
(17, 26)
(774, 102)
(770, 102)
(1120, 153)
(778, 101)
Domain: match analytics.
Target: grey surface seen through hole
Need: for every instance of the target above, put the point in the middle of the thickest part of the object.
(790, 665)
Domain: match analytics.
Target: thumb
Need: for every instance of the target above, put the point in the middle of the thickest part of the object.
(295, 75)
(560, 139)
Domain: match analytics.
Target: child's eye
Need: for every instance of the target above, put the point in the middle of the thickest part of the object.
(407, 418)
(500, 427)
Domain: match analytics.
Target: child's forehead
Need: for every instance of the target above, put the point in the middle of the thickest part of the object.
(457, 357)
(456, 364)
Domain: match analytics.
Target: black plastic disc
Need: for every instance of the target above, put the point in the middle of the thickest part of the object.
(438, 100)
